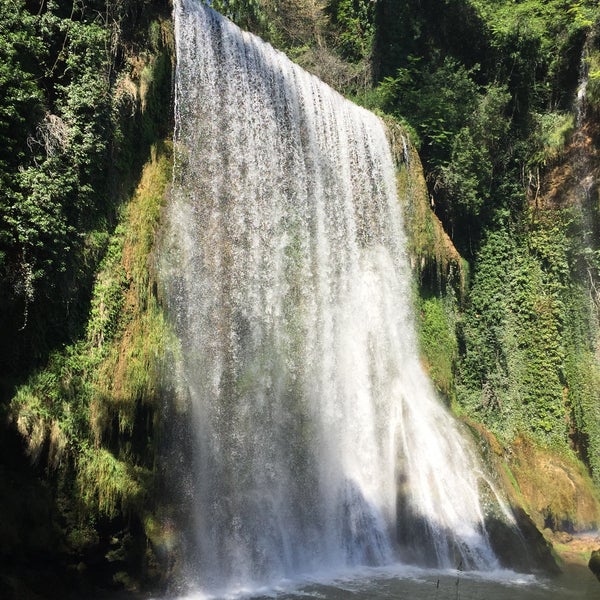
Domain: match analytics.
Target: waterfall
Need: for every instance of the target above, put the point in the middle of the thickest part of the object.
(584, 75)
(318, 441)
(581, 137)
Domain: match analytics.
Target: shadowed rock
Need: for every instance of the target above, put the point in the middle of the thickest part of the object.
(594, 563)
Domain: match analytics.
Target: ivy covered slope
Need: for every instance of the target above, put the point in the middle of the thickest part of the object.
(507, 122)
(492, 94)
(83, 171)
(503, 99)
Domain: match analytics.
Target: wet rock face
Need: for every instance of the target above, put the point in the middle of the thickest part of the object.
(594, 563)
(522, 548)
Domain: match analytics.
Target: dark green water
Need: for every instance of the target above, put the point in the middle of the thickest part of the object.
(407, 583)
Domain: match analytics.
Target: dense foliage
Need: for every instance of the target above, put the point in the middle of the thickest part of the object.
(489, 91)
(56, 111)
(480, 83)
(83, 92)
(62, 121)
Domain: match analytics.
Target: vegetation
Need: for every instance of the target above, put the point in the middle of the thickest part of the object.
(55, 117)
(63, 121)
(83, 103)
(489, 92)
(90, 414)
(498, 154)
(503, 238)
(438, 342)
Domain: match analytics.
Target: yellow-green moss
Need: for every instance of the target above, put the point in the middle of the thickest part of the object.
(107, 485)
(129, 371)
(556, 488)
(429, 246)
(67, 411)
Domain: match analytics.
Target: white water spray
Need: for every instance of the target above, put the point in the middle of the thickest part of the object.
(319, 443)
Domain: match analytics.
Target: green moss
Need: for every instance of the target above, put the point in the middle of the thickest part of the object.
(437, 337)
(106, 485)
(90, 415)
(550, 133)
(514, 484)
(593, 87)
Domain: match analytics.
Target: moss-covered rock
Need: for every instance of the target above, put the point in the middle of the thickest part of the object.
(594, 563)
(521, 546)
(432, 254)
(555, 487)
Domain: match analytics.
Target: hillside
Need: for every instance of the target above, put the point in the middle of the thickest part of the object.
(500, 104)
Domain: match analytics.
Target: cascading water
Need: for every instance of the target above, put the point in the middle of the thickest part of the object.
(319, 443)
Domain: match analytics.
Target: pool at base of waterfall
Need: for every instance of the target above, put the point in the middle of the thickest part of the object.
(412, 583)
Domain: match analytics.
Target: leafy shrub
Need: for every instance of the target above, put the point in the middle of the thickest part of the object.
(593, 86)
(550, 133)
(354, 21)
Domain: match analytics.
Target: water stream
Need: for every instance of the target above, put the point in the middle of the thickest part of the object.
(412, 583)
(319, 444)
